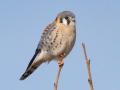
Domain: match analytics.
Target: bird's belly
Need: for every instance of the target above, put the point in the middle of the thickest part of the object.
(60, 43)
(65, 48)
(54, 53)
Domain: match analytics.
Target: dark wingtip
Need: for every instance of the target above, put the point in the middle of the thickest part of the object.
(33, 58)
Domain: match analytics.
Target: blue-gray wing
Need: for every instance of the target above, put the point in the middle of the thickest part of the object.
(46, 34)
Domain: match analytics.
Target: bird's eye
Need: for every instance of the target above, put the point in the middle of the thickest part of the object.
(66, 17)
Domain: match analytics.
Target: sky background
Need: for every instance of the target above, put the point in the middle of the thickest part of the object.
(98, 26)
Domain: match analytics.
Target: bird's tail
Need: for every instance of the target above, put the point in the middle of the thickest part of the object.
(31, 69)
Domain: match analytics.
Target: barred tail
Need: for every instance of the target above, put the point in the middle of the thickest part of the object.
(31, 69)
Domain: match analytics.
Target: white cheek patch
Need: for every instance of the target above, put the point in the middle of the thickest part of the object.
(64, 21)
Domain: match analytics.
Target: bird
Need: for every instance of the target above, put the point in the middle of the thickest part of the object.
(57, 41)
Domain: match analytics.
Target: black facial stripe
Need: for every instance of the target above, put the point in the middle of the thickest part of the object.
(68, 21)
(61, 21)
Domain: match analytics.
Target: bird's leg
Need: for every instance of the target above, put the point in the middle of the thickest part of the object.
(60, 64)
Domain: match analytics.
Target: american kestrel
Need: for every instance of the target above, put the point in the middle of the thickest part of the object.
(56, 42)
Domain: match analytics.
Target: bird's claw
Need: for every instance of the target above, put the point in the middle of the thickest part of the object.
(60, 63)
(62, 55)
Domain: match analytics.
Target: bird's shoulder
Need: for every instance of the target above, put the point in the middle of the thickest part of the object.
(47, 32)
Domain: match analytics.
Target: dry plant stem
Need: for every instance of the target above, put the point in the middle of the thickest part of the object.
(61, 63)
(88, 67)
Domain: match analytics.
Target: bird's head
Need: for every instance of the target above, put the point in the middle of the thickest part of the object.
(66, 17)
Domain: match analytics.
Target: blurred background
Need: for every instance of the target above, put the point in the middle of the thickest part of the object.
(98, 26)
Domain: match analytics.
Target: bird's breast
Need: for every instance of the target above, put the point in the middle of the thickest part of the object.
(60, 40)
(66, 39)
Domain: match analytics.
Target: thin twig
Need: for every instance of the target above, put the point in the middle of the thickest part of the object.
(57, 78)
(88, 67)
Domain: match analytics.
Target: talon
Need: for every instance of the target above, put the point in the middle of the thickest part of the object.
(62, 55)
(61, 63)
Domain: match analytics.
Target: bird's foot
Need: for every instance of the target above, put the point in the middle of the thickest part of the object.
(61, 63)
(63, 55)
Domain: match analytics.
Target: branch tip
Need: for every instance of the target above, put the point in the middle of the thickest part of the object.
(88, 67)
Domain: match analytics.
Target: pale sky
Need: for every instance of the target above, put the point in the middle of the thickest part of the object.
(98, 26)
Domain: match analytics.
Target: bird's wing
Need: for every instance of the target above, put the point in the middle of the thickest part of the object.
(45, 33)
(33, 58)
(32, 64)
